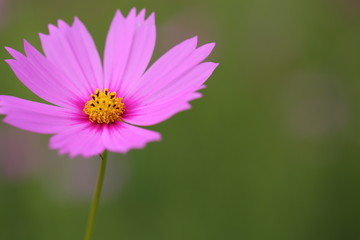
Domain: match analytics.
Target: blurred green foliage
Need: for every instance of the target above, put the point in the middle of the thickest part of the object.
(270, 152)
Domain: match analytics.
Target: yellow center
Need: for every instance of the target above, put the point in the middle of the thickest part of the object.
(104, 107)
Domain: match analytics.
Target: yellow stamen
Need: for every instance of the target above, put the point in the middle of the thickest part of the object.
(104, 107)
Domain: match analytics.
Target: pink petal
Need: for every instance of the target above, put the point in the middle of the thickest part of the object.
(154, 114)
(73, 50)
(169, 68)
(83, 139)
(170, 99)
(42, 77)
(123, 137)
(129, 46)
(36, 117)
(87, 139)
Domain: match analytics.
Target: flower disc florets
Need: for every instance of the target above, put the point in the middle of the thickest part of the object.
(104, 107)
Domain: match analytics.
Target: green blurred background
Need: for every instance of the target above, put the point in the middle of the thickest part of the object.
(270, 152)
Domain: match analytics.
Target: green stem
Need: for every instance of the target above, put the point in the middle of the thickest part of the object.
(96, 197)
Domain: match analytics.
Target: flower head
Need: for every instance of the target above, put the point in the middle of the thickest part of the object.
(94, 106)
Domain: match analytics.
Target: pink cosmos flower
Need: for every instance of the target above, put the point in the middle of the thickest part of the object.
(97, 106)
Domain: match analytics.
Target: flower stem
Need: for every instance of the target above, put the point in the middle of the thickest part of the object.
(96, 197)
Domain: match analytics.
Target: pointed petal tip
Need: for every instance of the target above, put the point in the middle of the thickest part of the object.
(206, 49)
(211, 45)
(157, 137)
(9, 61)
(59, 22)
(192, 40)
(118, 13)
(26, 44)
(142, 13)
(132, 12)
(62, 24)
(8, 48)
(151, 18)
(195, 39)
(14, 53)
(43, 35)
(28, 48)
(212, 65)
(203, 87)
(50, 27)
(77, 21)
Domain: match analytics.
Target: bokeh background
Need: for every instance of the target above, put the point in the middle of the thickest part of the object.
(272, 151)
